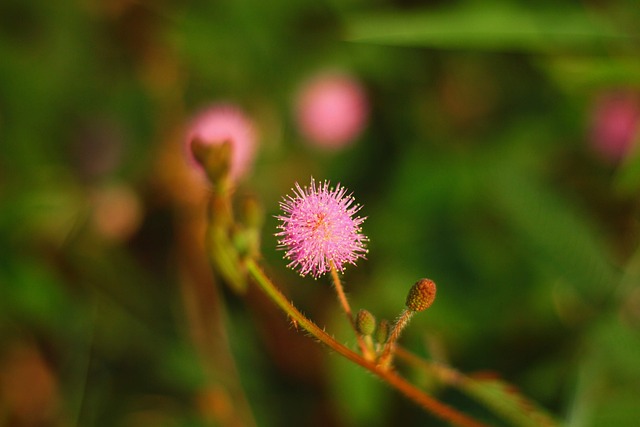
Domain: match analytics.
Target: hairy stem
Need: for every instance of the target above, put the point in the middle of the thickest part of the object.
(344, 302)
(387, 352)
(418, 396)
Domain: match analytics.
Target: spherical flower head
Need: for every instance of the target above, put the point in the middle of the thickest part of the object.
(332, 110)
(221, 123)
(319, 229)
(615, 124)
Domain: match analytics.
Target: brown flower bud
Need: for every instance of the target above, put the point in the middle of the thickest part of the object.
(421, 295)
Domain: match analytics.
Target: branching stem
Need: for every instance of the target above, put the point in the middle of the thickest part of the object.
(418, 396)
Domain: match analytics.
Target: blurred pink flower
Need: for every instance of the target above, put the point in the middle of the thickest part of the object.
(225, 122)
(318, 229)
(615, 121)
(117, 213)
(332, 110)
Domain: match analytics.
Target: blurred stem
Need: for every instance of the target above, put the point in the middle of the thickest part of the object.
(370, 347)
(344, 302)
(445, 374)
(418, 396)
(221, 248)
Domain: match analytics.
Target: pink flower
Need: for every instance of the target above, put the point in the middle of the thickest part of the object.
(615, 124)
(225, 122)
(319, 230)
(332, 110)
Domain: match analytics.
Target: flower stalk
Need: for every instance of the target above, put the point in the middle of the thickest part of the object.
(344, 302)
(420, 297)
(418, 396)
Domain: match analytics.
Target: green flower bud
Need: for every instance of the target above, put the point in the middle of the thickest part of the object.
(365, 322)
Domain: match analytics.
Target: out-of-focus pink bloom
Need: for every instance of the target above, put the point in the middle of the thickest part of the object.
(332, 110)
(615, 123)
(29, 387)
(319, 229)
(224, 122)
(118, 212)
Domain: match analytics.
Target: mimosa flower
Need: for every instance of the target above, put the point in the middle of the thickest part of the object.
(319, 229)
(332, 110)
(615, 124)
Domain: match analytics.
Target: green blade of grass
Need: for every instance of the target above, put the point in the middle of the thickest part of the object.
(489, 27)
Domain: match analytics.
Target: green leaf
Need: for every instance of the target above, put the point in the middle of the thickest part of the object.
(490, 27)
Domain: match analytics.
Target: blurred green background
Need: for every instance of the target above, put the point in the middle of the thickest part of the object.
(477, 169)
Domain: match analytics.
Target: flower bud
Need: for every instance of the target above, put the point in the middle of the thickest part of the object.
(217, 125)
(421, 295)
(365, 322)
(382, 333)
(215, 159)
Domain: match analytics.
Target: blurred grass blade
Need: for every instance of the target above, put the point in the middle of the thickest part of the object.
(497, 395)
(505, 400)
(554, 233)
(490, 27)
(577, 72)
(627, 178)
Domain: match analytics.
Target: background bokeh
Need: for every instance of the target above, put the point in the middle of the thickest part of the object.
(498, 159)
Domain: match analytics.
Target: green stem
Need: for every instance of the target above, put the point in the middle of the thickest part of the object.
(409, 390)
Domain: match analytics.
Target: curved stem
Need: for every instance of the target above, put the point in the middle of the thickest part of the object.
(409, 390)
(344, 302)
(497, 396)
